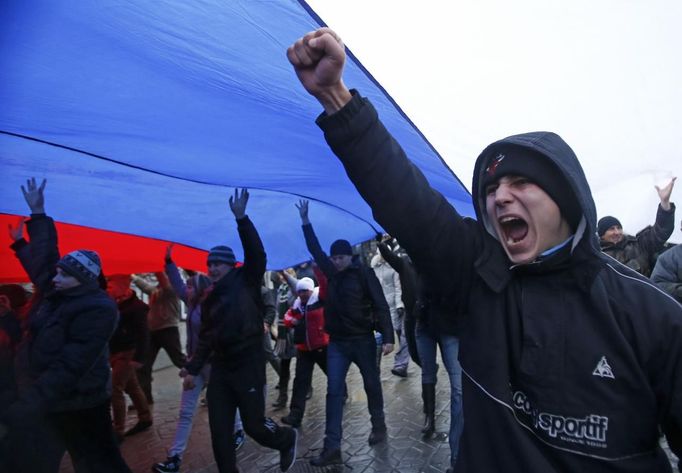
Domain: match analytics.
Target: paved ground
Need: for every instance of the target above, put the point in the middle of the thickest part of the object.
(406, 450)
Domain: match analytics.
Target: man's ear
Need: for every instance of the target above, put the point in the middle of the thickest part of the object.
(5, 304)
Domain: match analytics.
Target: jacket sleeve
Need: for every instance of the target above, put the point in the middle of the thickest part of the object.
(86, 340)
(652, 239)
(320, 257)
(176, 281)
(39, 258)
(435, 236)
(254, 252)
(322, 282)
(292, 318)
(144, 286)
(380, 309)
(203, 350)
(269, 306)
(141, 330)
(667, 273)
(398, 291)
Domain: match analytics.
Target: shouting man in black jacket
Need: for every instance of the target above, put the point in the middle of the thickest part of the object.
(570, 360)
(232, 334)
(354, 307)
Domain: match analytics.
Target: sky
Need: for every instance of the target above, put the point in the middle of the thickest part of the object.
(604, 75)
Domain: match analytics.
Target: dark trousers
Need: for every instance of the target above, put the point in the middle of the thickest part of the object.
(89, 439)
(31, 447)
(305, 364)
(340, 354)
(169, 339)
(240, 387)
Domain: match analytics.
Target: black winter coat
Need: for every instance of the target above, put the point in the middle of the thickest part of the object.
(638, 252)
(355, 304)
(66, 353)
(232, 314)
(132, 332)
(570, 363)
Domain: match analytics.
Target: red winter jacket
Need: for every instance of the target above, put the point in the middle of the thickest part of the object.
(308, 321)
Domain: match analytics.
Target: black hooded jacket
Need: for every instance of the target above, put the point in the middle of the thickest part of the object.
(232, 313)
(355, 304)
(570, 363)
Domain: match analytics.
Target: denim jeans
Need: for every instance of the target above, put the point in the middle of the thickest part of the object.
(340, 354)
(449, 348)
(188, 407)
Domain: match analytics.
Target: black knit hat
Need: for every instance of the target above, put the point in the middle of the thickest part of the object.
(341, 247)
(605, 223)
(519, 161)
(83, 265)
(221, 254)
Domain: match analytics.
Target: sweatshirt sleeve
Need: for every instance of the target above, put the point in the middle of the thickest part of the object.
(176, 281)
(652, 239)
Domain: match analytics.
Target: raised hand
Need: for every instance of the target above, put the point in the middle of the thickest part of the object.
(302, 207)
(169, 252)
(34, 195)
(16, 232)
(665, 192)
(318, 59)
(238, 203)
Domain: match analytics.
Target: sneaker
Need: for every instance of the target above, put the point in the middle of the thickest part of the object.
(239, 439)
(203, 402)
(141, 426)
(309, 394)
(171, 465)
(287, 456)
(291, 420)
(377, 436)
(327, 457)
(402, 373)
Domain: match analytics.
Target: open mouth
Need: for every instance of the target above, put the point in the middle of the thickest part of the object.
(514, 229)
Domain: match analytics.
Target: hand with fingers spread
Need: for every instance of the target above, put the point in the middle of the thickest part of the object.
(34, 195)
(238, 203)
(302, 207)
(318, 59)
(16, 232)
(665, 192)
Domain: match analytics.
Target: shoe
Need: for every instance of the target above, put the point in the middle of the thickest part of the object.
(291, 420)
(171, 465)
(377, 436)
(239, 439)
(141, 426)
(203, 402)
(451, 469)
(402, 373)
(281, 401)
(309, 394)
(287, 456)
(327, 457)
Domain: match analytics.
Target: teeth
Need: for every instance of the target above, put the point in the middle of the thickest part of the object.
(507, 219)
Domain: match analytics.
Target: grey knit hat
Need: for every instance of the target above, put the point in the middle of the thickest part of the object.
(83, 265)
(221, 254)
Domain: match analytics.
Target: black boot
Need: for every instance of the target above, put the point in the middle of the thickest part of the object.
(429, 397)
(283, 395)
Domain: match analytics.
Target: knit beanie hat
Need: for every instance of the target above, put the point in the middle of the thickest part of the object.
(341, 247)
(605, 223)
(83, 265)
(305, 284)
(221, 254)
(519, 161)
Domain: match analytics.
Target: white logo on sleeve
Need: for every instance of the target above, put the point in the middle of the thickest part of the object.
(603, 369)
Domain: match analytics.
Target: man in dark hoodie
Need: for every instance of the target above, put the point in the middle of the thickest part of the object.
(570, 362)
(232, 335)
(66, 352)
(355, 306)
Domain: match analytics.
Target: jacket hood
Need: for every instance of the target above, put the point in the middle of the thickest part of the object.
(554, 148)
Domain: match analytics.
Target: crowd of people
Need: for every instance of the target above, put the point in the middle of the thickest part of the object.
(561, 335)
